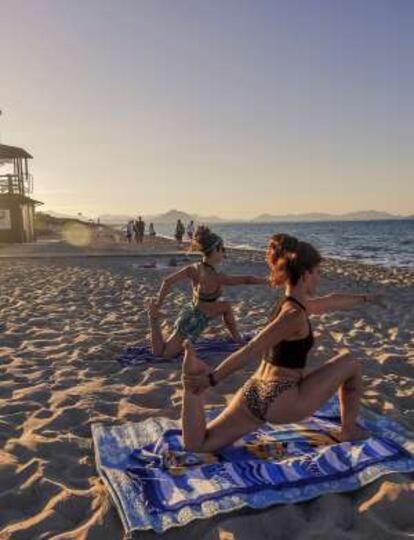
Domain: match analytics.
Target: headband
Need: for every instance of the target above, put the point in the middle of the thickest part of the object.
(213, 244)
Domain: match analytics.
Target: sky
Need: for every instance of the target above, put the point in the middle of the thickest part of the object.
(231, 108)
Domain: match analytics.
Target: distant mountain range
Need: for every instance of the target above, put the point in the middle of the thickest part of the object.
(364, 215)
(168, 217)
(173, 215)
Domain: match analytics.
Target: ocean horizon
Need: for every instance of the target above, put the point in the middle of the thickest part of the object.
(387, 243)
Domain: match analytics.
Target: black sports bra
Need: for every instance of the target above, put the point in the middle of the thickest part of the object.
(208, 297)
(291, 354)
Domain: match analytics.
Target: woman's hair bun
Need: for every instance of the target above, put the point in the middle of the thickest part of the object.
(289, 258)
(202, 234)
(205, 240)
(281, 244)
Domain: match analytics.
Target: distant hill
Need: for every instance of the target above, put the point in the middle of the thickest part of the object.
(166, 218)
(171, 217)
(115, 219)
(370, 214)
(315, 216)
(365, 215)
(50, 226)
(58, 215)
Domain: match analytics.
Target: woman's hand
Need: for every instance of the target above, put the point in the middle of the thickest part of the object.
(197, 383)
(194, 371)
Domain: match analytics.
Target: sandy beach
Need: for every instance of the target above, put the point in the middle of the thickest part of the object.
(64, 321)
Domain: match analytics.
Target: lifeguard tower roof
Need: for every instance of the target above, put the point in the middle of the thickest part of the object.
(12, 152)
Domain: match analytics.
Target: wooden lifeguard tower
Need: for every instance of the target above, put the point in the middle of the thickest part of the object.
(17, 208)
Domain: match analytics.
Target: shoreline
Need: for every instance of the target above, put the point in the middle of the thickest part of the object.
(168, 248)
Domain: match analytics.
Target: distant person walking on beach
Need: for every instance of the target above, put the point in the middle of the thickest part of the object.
(179, 231)
(136, 230)
(139, 230)
(280, 391)
(129, 230)
(151, 232)
(207, 285)
(190, 230)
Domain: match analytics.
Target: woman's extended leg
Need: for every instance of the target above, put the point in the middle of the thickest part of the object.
(234, 422)
(157, 340)
(343, 372)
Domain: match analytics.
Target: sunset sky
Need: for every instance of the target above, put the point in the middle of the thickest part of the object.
(232, 108)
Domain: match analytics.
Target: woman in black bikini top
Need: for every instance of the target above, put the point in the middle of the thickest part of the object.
(291, 354)
(280, 391)
(199, 296)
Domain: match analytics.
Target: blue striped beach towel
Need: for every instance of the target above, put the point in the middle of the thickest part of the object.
(157, 485)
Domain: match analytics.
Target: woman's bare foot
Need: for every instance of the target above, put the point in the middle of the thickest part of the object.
(354, 434)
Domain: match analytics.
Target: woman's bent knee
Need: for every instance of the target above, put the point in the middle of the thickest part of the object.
(347, 361)
(354, 365)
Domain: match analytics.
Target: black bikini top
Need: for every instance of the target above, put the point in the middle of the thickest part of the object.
(291, 354)
(208, 297)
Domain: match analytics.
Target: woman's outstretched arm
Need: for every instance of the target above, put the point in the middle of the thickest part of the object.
(342, 301)
(227, 279)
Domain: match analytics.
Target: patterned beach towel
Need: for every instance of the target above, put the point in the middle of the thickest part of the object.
(207, 348)
(156, 485)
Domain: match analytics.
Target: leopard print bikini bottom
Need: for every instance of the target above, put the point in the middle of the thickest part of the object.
(260, 394)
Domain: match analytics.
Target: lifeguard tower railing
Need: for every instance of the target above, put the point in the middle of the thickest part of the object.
(16, 184)
(16, 180)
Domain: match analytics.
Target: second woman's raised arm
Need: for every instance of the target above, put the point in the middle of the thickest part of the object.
(228, 279)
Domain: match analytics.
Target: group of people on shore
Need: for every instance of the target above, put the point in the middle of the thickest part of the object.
(135, 230)
(181, 230)
(281, 390)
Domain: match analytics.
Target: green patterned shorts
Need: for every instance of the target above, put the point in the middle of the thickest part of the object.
(191, 323)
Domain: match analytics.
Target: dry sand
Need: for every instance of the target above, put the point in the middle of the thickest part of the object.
(63, 324)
